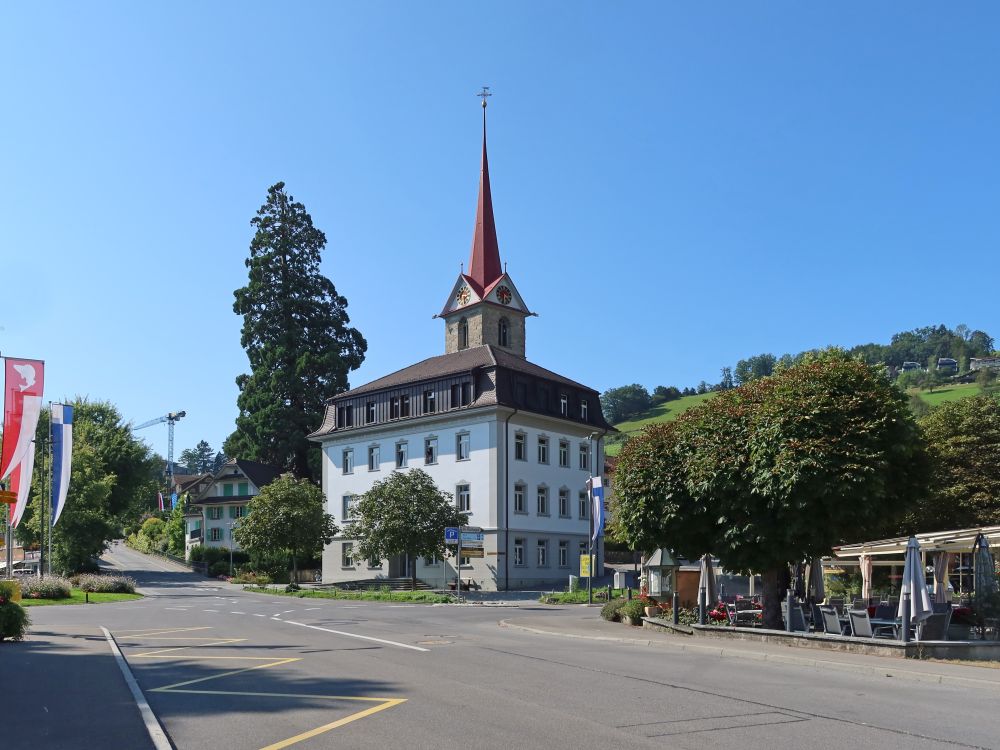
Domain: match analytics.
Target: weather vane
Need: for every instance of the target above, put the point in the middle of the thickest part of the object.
(483, 94)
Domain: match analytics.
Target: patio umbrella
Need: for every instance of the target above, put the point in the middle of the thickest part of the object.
(815, 577)
(914, 584)
(942, 561)
(986, 579)
(708, 582)
(866, 576)
(799, 580)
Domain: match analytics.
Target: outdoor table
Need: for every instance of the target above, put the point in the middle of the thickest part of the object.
(896, 624)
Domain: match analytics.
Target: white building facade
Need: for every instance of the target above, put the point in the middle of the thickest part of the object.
(513, 442)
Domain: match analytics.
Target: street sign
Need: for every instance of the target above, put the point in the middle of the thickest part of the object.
(472, 539)
(451, 535)
(7, 497)
(586, 565)
(472, 551)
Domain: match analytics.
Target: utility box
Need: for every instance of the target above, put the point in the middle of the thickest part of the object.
(621, 580)
(574, 582)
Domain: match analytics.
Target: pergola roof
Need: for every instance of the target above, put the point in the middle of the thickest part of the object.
(958, 540)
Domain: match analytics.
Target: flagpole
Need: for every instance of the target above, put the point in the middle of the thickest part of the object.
(48, 478)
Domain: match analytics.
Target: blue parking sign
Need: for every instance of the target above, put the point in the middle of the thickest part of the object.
(451, 535)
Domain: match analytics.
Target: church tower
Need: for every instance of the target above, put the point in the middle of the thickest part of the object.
(485, 307)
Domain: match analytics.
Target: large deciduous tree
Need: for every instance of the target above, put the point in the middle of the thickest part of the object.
(625, 401)
(404, 514)
(296, 336)
(777, 471)
(287, 517)
(963, 441)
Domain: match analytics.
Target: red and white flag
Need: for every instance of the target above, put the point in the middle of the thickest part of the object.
(20, 482)
(22, 403)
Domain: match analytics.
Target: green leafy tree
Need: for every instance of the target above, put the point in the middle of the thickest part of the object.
(113, 476)
(963, 442)
(296, 336)
(754, 368)
(174, 531)
(404, 514)
(626, 401)
(287, 517)
(775, 472)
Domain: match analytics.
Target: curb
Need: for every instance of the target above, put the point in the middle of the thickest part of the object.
(153, 728)
(873, 671)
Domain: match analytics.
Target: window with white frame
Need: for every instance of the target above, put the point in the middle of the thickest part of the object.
(584, 504)
(564, 454)
(584, 456)
(394, 407)
(543, 450)
(373, 458)
(347, 555)
(215, 534)
(462, 446)
(369, 412)
(520, 491)
(463, 498)
(583, 410)
(521, 446)
(543, 501)
(401, 455)
(404, 406)
(563, 554)
(430, 451)
(345, 416)
(430, 402)
(564, 503)
(543, 553)
(348, 461)
(563, 405)
(347, 508)
(519, 552)
(464, 562)
(432, 561)
(215, 513)
(237, 511)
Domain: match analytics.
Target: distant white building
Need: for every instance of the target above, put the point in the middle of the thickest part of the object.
(221, 500)
(514, 442)
(984, 363)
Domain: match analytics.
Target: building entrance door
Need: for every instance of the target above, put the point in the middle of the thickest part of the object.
(399, 566)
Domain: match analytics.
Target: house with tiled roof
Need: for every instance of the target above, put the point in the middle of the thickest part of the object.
(218, 500)
(512, 441)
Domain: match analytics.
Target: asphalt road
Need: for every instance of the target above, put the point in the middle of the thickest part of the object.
(222, 668)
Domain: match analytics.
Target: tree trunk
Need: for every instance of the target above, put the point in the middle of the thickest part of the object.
(295, 570)
(770, 580)
(413, 574)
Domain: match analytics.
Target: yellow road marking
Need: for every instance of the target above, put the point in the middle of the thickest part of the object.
(163, 631)
(334, 724)
(278, 663)
(180, 657)
(221, 642)
(250, 693)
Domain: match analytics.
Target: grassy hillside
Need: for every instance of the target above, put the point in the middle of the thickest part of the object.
(669, 411)
(662, 413)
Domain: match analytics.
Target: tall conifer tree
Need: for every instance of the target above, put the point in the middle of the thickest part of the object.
(296, 336)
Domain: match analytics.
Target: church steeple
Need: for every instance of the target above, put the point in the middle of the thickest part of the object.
(484, 307)
(484, 258)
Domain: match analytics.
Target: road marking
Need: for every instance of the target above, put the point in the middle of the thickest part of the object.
(257, 615)
(237, 613)
(355, 635)
(313, 609)
(163, 631)
(222, 642)
(210, 610)
(153, 728)
(334, 724)
(184, 608)
(172, 688)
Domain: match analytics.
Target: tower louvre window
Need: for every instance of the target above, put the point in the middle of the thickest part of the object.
(463, 334)
(503, 333)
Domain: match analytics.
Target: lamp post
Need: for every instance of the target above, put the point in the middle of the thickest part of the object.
(590, 541)
(231, 549)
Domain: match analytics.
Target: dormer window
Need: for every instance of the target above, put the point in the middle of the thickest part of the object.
(563, 405)
(369, 412)
(503, 334)
(583, 410)
(463, 334)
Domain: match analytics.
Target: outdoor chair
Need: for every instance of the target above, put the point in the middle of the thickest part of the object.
(861, 625)
(859, 604)
(817, 618)
(935, 627)
(884, 611)
(830, 621)
(940, 607)
(837, 603)
(798, 618)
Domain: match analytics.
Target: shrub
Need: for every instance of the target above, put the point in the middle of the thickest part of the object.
(105, 584)
(50, 587)
(293, 586)
(610, 611)
(684, 616)
(252, 579)
(13, 620)
(220, 568)
(634, 609)
(10, 591)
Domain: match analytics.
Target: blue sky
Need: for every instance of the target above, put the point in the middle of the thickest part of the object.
(676, 186)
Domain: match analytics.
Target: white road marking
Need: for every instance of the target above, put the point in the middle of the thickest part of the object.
(355, 635)
(256, 615)
(153, 728)
(313, 609)
(210, 610)
(243, 613)
(180, 608)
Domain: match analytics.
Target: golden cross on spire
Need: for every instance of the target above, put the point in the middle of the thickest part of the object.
(483, 94)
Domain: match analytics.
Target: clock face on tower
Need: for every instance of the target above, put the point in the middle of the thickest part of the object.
(504, 295)
(463, 296)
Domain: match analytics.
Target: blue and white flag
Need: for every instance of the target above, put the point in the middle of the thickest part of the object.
(173, 500)
(62, 456)
(597, 493)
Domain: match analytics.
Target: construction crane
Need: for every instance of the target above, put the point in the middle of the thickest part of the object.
(170, 419)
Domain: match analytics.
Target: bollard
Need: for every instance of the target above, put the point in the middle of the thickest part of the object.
(677, 606)
(86, 597)
(628, 593)
(906, 617)
(789, 600)
(610, 591)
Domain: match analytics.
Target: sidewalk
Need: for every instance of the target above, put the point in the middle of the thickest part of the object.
(582, 622)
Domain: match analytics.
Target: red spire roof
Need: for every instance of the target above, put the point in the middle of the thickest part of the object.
(484, 259)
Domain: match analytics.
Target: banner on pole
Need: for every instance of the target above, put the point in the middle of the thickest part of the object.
(22, 403)
(20, 482)
(62, 456)
(597, 494)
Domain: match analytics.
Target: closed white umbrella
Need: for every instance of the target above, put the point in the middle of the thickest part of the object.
(707, 581)
(866, 577)
(914, 584)
(942, 560)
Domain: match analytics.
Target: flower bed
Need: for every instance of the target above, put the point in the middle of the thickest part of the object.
(49, 587)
